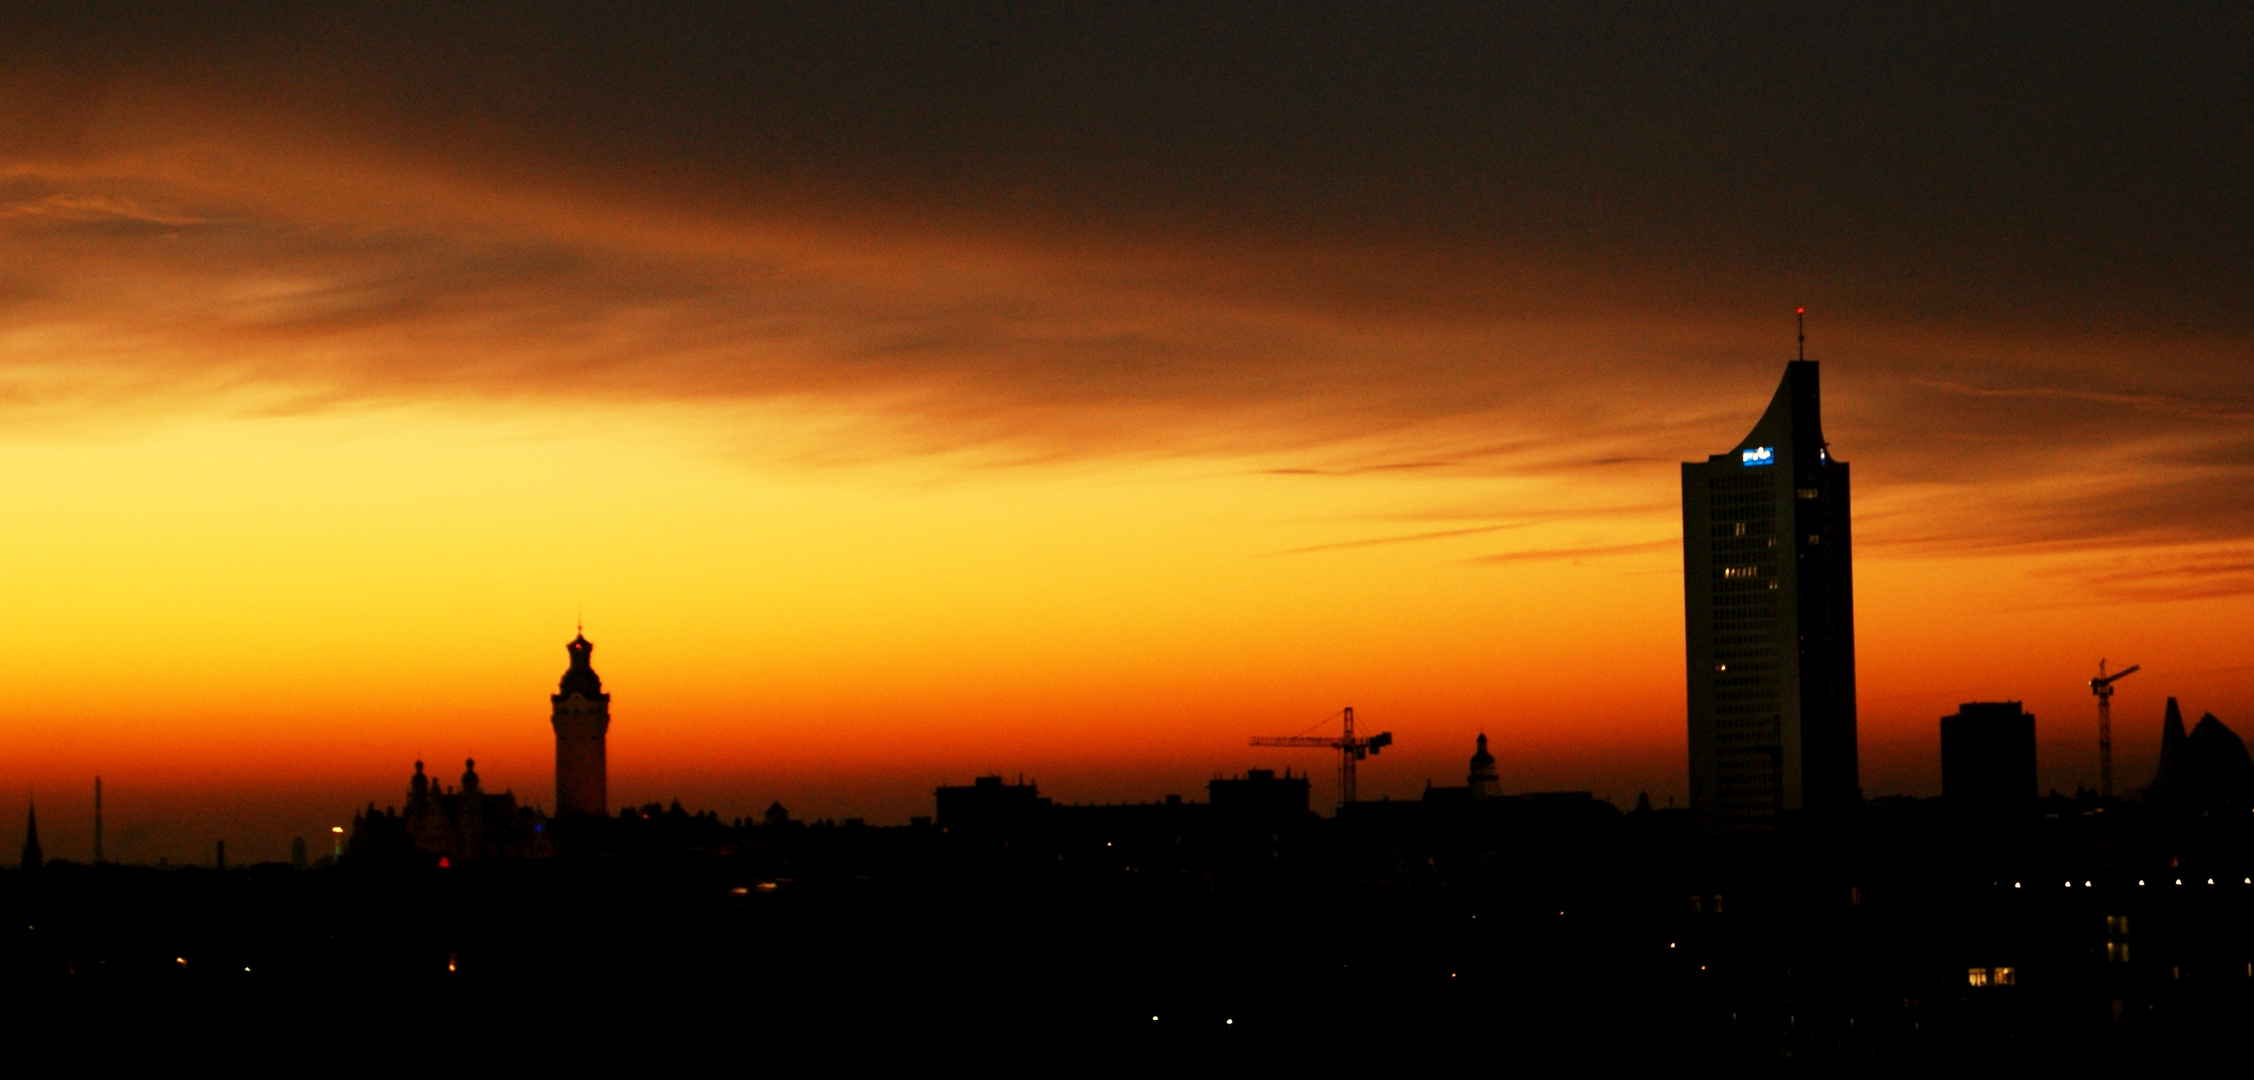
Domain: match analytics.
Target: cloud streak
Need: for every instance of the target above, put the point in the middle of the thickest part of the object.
(1572, 554)
(1382, 541)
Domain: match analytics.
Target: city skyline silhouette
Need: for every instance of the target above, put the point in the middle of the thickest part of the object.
(1078, 393)
(1184, 532)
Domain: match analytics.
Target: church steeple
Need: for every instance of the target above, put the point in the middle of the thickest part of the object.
(33, 858)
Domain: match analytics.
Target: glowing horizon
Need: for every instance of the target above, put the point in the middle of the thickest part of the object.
(885, 448)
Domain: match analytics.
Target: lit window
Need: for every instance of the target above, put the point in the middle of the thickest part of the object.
(1740, 529)
(2117, 952)
(1814, 539)
(1807, 493)
(2117, 924)
(2006, 977)
(1977, 976)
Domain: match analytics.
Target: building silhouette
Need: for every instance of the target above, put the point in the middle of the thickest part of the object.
(1769, 618)
(2205, 771)
(1481, 781)
(1988, 754)
(467, 822)
(1259, 794)
(457, 825)
(989, 805)
(581, 717)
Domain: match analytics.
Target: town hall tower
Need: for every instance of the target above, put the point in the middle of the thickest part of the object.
(582, 720)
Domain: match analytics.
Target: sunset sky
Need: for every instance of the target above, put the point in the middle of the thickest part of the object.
(905, 392)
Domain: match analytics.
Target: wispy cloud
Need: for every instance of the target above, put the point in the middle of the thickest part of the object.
(1363, 470)
(2174, 405)
(2160, 575)
(1567, 554)
(97, 208)
(1412, 538)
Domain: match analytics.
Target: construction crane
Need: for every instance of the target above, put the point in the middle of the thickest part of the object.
(2102, 686)
(1350, 750)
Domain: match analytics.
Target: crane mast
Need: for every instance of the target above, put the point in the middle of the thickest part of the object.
(2102, 686)
(1351, 749)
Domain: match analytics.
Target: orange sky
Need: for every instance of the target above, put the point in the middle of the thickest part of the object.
(319, 435)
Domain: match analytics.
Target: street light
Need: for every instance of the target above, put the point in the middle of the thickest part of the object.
(338, 832)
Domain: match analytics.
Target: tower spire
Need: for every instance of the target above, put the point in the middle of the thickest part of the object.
(1802, 315)
(32, 857)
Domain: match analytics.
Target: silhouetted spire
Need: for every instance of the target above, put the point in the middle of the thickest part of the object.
(2171, 747)
(32, 857)
(469, 774)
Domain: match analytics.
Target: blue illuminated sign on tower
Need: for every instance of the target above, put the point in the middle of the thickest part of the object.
(1760, 455)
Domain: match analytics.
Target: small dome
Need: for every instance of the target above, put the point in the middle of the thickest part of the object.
(580, 678)
(1481, 756)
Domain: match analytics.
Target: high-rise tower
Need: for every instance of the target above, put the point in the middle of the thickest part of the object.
(582, 721)
(1769, 620)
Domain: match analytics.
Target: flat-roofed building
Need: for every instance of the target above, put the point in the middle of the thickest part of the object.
(1988, 753)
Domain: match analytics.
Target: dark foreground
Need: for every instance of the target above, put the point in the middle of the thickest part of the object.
(1912, 936)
